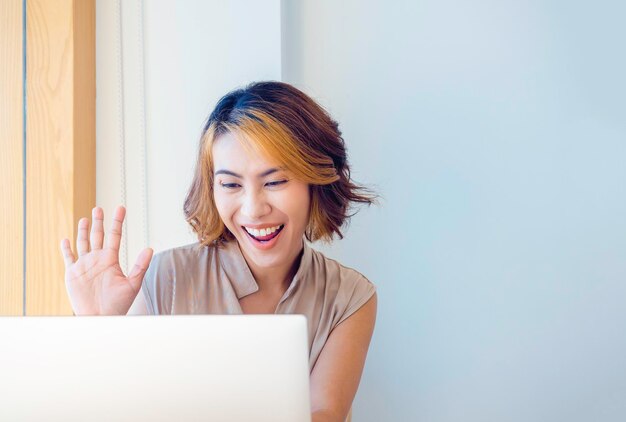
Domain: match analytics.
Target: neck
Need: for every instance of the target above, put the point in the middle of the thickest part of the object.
(277, 279)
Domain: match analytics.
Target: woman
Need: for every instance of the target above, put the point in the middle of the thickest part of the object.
(271, 171)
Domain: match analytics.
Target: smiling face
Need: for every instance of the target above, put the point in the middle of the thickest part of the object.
(263, 206)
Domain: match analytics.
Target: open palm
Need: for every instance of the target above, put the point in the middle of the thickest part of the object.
(95, 283)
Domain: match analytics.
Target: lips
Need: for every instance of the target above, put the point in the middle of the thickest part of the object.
(267, 237)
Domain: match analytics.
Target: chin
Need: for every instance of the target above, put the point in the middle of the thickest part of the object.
(266, 258)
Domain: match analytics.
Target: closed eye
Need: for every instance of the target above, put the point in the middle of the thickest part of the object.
(230, 185)
(279, 182)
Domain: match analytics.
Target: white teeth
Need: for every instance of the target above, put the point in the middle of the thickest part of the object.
(262, 232)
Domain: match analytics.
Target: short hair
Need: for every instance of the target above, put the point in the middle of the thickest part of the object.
(285, 125)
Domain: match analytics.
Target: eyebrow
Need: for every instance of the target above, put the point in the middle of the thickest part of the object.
(263, 174)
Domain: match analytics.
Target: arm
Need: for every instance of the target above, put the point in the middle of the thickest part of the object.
(337, 372)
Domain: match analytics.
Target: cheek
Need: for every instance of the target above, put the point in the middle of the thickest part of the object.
(223, 205)
(299, 205)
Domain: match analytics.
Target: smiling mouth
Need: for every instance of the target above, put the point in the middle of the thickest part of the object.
(265, 238)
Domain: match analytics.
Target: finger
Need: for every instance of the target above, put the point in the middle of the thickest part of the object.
(141, 265)
(115, 234)
(66, 251)
(82, 244)
(96, 237)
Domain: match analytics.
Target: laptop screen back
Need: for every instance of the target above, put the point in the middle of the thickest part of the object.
(155, 368)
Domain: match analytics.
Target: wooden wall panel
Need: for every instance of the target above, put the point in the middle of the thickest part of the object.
(60, 147)
(11, 158)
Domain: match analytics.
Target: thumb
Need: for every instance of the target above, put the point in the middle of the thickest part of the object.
(139, 269)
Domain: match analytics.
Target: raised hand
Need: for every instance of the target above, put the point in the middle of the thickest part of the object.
(95, 282)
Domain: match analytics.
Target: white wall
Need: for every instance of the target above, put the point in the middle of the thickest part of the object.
(495, 130)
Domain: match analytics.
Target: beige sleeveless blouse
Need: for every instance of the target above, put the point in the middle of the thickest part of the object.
(196, 279)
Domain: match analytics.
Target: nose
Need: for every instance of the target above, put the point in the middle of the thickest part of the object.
(254, 205)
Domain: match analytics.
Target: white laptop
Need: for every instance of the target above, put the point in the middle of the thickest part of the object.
(154, 368)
